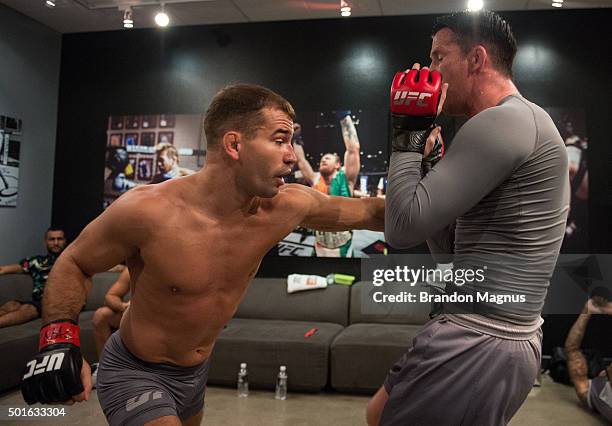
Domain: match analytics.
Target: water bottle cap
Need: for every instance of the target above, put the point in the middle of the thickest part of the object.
(283, 368)
(243, 365)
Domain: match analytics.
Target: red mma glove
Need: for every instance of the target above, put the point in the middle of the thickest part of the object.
(415, 95)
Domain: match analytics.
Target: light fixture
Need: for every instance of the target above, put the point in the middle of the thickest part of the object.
(50, 3)
(474, 5)
(128, 22)
(161, 18)
(345, 9)
(557, 3)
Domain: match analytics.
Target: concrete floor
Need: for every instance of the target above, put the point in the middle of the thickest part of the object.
(551, 404)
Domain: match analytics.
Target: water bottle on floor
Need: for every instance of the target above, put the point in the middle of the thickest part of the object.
(281, 384)
(243, 381)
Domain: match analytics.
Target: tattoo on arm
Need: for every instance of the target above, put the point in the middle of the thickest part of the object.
(576, 363)
(349, 133)
(574, 338)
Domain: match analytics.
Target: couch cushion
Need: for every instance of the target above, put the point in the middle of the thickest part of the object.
(18, 344)
(267, 298)
(101, 283)
(88, 344)
(364, 310)
(362, 354)
(15, 287)
(265, 345)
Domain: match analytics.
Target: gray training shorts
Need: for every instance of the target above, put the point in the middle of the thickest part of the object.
(132, 391)
(454, 375)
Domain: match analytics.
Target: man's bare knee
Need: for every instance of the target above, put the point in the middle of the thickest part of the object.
(194, 420)
(164, 421)
(375, 406)
(28, 311)
(102, 316)
(10, 306)
(25, 313)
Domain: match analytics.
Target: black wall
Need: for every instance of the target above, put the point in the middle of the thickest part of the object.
(317, 65)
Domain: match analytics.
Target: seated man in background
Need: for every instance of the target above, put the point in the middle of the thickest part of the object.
(38, 267)
(106, 319)
(596, 394)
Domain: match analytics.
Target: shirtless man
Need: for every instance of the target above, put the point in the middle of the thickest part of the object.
(217, 224)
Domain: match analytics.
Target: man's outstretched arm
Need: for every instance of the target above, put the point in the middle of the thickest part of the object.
(13, 268)
(328, 213)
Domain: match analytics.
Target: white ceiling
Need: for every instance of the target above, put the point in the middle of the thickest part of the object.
(72, 16)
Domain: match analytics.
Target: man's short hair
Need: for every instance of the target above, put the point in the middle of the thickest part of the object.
(171, 150)
(239, 107)
(335, 155)
(482, 27)
(52, 229)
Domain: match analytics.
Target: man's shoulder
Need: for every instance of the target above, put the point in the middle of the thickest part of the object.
(144, 201)
(510, 110)
(507, 130)
(294, 195)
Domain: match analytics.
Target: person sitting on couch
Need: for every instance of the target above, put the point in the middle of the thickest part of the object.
(38, 267)
(596, 394)
(106, 319)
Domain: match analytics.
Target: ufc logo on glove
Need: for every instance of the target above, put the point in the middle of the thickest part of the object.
(406, 98)
(48, 363)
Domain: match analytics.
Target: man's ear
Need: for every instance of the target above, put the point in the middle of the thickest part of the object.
(232, 144)
(477, 58)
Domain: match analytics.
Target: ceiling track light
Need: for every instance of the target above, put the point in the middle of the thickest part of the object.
(50, 3)
(557, 3)
(475, 5)
(161, 18)
(345, 9)
(128, 21)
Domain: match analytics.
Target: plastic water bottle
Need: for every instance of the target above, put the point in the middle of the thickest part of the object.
(243, 381)
(281, 384)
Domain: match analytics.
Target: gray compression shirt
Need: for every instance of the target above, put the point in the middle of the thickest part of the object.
(503, 187)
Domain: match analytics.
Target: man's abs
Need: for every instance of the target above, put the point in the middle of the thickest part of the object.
(182, 334)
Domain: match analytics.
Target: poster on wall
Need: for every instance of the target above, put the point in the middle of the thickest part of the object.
(10, 141)
(571, 123)
(147, 149)
(340, 152)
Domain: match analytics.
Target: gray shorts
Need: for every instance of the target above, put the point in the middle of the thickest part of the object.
(600, 397)
(132, 391)
(454, 375)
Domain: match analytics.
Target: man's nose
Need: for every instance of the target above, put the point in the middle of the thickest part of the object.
(290, 157)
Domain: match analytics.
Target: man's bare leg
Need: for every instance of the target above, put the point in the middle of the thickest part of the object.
(105, 320)
(376, 406)
(22, 315)
(165, 421)
(195, 420)
(11, 306)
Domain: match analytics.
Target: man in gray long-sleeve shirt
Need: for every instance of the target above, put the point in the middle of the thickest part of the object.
(504, 186)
